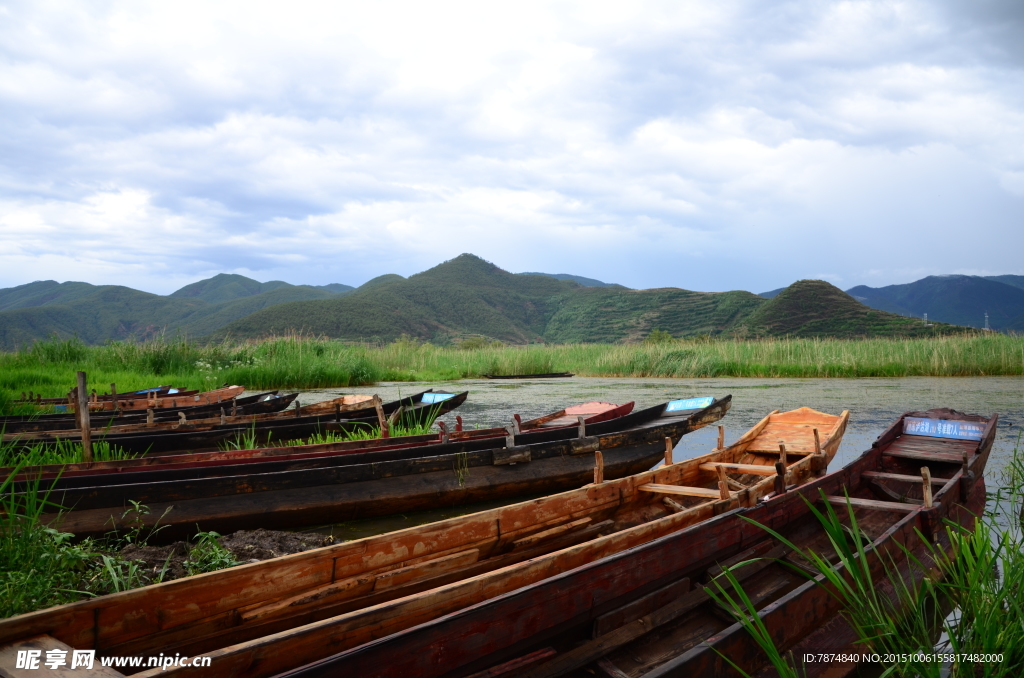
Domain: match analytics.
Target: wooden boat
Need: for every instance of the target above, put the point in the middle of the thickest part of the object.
(647, 611)
(592, 413)
(265, 617)
(261, 403)
(263, 431)
(548, 375)
(143, 393)
(370, 483)
(172, 398)
(172, 419)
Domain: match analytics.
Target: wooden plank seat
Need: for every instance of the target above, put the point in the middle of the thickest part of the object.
(681, 490)
(752, 469)
(924, 455)
(878, 475)
(893, 506)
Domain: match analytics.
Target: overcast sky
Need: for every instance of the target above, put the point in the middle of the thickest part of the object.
(703, 145)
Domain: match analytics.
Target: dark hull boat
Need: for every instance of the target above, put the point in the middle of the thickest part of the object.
(414, 409)
(592, 413)
(261, 403)
(647, 612)
(547, 375)
(507, 546)
(372, 483)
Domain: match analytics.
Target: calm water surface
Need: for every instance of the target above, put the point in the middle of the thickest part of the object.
(873, 405)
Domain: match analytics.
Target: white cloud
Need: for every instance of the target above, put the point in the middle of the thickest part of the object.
(710, 146)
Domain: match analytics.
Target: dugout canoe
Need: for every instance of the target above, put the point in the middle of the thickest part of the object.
(548, 375)
(260, 403)
(646, 611)
(592, 413)
(336, 596)
(372, 483)
(410, 410)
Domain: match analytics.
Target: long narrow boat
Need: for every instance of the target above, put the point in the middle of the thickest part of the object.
(168, 399)
(260, 403)
(647, 611)
(204, 418)
(264, 432)
(262, 618)
(592, 413)
(332, 489)
(143, 393)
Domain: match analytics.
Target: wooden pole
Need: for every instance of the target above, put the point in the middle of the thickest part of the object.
(458, 422)
(668, 451)
(721, 437)
(581, 427)
(149, 417)
(926, 477)
(83, 418)
(598, 468)
(966, 465)
(723, 486)
(780, 478)
(515, 425)
(510, 437)
(381, 421)
(782, 454)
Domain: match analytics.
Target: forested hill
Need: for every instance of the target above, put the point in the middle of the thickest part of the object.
(469, 296)
(464, 297)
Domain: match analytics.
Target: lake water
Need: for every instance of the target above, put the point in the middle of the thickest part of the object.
(873, 405)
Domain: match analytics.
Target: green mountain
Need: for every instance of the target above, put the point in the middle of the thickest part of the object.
(814, 308)
(463, 297)
(956, 299)
(586, 282)
(469, 296)
(97, 314)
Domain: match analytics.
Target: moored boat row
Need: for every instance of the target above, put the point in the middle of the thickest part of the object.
(600, 579)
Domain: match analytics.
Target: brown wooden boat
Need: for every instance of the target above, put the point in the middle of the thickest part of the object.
(369, 483)
(546, 375)
(592, 413)
(35, 399)
(647, 611)
(168, 399)
(265, 617)
(264, 431)
(208, 420)
(259, 403)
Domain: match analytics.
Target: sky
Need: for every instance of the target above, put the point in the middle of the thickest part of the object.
(703, 145)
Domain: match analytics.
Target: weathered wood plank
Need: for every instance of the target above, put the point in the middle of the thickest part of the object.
(874, 504)
(679, 489)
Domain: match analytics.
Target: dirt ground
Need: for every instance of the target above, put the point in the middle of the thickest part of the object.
(247, 546)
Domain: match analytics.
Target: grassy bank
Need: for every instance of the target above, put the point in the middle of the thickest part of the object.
(49, 367)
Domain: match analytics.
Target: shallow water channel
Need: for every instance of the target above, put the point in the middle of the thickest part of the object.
(873, 405)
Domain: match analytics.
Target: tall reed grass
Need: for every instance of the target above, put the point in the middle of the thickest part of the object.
(981, 583)
(48, 367)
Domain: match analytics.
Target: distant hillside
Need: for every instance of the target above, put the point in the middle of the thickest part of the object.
(814, 308)
(772, 294)
(467, 296)
(956, 299)
(97, 314)
(463, 297)
(586, 282)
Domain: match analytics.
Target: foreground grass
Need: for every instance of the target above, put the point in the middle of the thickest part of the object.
(970, 606)
(49, 367)
(41, 566)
